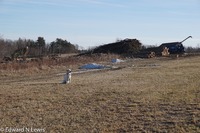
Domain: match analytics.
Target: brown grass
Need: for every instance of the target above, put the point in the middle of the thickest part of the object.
(52, 65)
(148, 95)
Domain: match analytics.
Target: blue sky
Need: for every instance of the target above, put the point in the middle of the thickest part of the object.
(91, 23)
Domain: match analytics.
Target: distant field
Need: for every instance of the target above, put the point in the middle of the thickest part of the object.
(143, 95)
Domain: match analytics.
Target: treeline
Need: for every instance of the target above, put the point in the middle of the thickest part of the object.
(36, 48)
(193, 49)
(40, 48)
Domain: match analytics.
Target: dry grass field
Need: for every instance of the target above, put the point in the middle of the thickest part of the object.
(160, 95)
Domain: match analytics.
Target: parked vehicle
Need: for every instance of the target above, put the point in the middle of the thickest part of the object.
(169, 48)
(175, 47)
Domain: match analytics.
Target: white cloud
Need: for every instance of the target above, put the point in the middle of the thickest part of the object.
(37, 2)
(104, 3)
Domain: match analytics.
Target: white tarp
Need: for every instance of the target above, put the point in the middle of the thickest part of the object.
(92, 66)
(117, 61)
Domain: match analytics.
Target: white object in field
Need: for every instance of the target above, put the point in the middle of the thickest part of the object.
(117, 61)
(67, 77)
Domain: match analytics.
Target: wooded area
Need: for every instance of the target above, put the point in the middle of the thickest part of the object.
(10, 48)
(40, 48)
